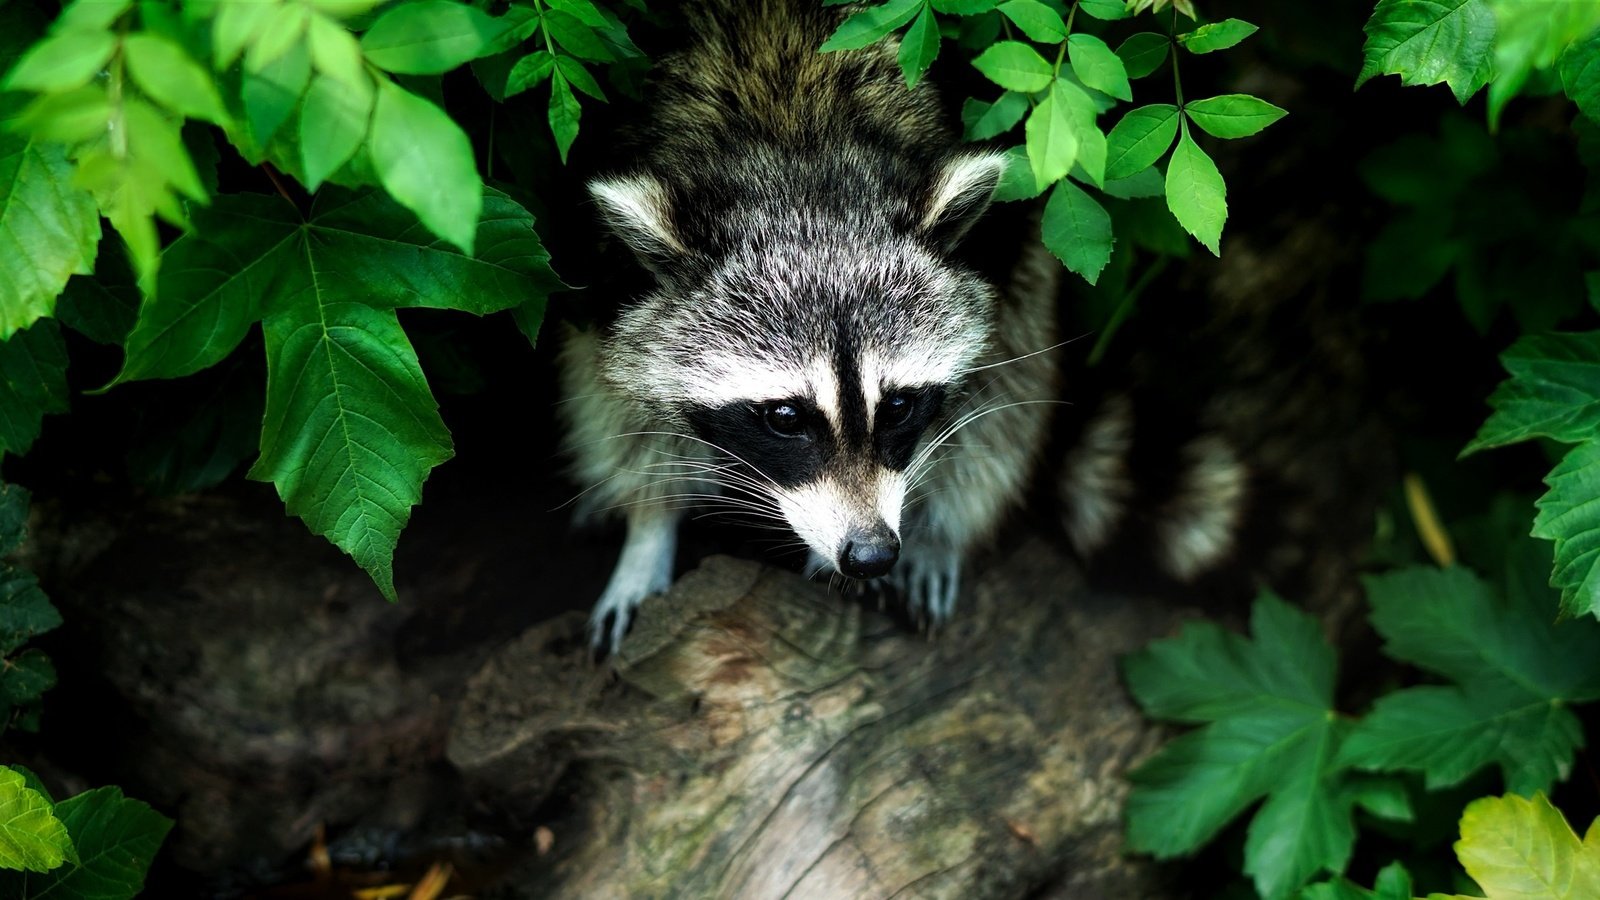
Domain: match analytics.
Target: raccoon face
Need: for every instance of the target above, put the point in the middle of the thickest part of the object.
(815, 352)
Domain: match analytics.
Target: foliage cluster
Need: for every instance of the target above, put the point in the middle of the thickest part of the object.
(97, 844)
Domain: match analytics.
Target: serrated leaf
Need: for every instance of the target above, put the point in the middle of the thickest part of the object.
(25, 612)
(575, 37)
(1143, 53)
(1232, 115)
(349, 449)
(336, 53)
(62, 61)
(166, 73)
(999, 117)
(1515, 672)
(13, 520)
(1052, 141)
(236, 27)
(25, 677)
(1580, 74)
(1140, 138)
(271, 94)
(424, 160)
(1553, 391)
(429, 37)
(1147, 182)
(1520, 848)
(1216, 36)
(1015, 66)
(48, 229)
(1268, 702)
(1568, 515)
(31, 837)
(338, 113)
(1429, 42)
(1196, 193)
(963, 7)
(1037, 21)
(579, 77)
(279, 33)
(116, 837)
(564, 113)
(870, 25)
(1017, 182)
(919, 47)
(1077, 230)
(529, 71)
(33, 382)
(1098, 67)
(1106, 10)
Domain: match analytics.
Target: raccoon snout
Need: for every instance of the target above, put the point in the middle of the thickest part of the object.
(869, 553)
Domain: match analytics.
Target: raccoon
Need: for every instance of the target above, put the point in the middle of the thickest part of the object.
(818, 336)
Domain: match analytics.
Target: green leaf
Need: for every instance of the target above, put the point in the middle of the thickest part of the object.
(1107, 10)
(25, 677)
(349, 447)
(1232, 115)
(1098, 67)
(271, 94)
(424, 160)
(963, 7)
(1077, 230)
(1553, 392)
(165, 72)
(1568, 515)
(1017, 182)
(1196, 194)
(575, 37)
(351, 429)
(1448, 41)
(13, 523)
(999, 117)
(1580, 74)
(529, 71)
(280, 33)
(920, 47)
(61, 62)
(1216, 36)
(579, 77)
(1143, 53)
(1147, 182)
(336, 53)
(33, 382)
(1514, 672)
(236, 27)
(564, 113)
(25, 612)
(1268, 702)
(1037, 21)
(31, 837)
(1140, 138)
(338, 113)
(1052, 141)
(115, 836)
(1516, 847)
(870, 25)
(429, 37)
(1015, 66)
(48, 229)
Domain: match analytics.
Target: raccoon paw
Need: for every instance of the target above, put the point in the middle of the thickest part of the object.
(613, 612)
(929, 583)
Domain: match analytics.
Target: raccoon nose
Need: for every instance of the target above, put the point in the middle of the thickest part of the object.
(868, 554)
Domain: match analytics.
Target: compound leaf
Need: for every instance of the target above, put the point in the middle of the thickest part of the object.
(1431, 41)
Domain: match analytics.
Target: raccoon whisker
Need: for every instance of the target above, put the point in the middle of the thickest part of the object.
(724, 473)
(723, 450)
(966, 420)
(1007, 362)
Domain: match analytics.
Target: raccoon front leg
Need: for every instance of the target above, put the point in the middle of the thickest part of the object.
(928, 578)
(644, 569)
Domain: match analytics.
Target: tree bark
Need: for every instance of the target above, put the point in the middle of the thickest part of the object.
(762, 737)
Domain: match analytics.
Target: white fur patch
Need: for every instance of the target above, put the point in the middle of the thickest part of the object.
(824, 514)
(964, 179)
(825, 391)
(1202, 518)
(1094, 480)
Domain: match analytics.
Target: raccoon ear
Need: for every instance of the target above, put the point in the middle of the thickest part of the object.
(961, 192)
(638, 210)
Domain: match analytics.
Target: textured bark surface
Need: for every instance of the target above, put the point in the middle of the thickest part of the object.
(764, 738)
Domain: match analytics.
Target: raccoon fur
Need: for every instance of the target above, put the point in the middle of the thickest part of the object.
(813, 339)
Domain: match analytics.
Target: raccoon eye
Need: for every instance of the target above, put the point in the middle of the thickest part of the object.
(784, 419)
(895, 410)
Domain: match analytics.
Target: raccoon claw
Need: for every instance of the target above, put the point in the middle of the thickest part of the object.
(929, 588)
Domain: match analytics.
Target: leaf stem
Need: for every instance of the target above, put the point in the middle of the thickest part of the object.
(1124, 308)
(1177, 83)
(272, 175)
